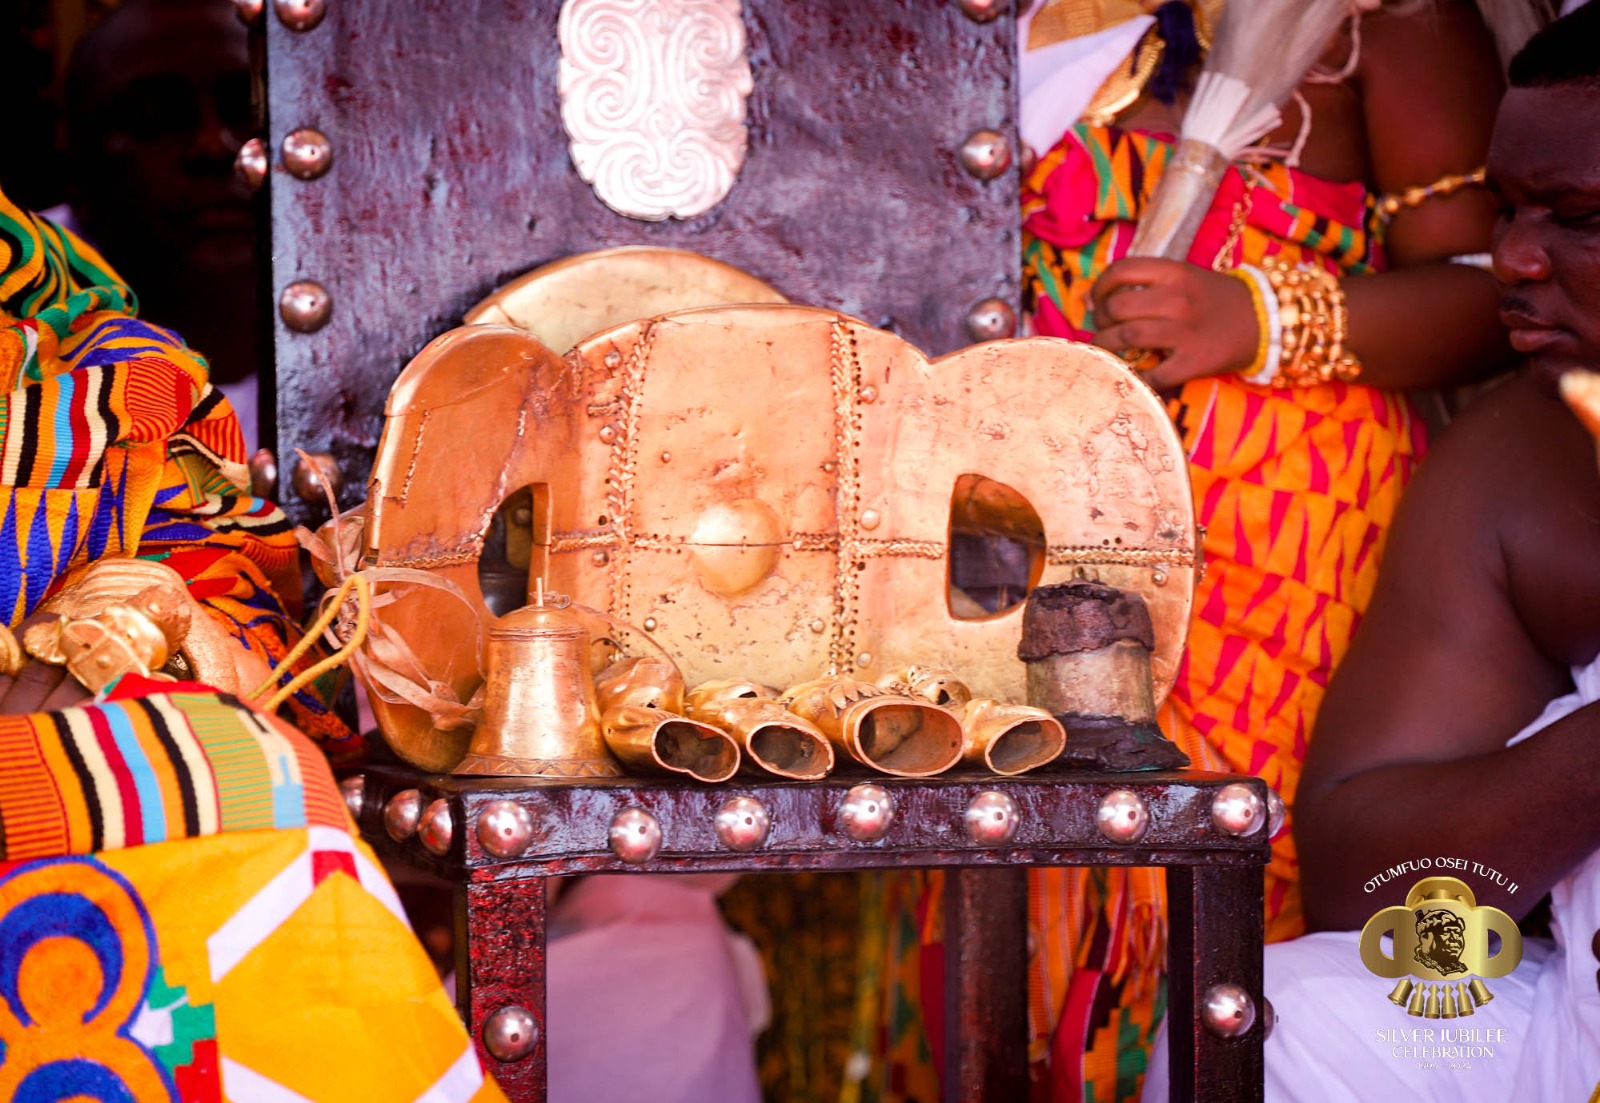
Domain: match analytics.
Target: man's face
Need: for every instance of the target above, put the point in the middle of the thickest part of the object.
(171, 104)
(1544, 161)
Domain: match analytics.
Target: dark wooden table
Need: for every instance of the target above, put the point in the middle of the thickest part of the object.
(1214, 886)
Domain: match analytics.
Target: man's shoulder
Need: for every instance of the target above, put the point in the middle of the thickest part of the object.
(1513, 447)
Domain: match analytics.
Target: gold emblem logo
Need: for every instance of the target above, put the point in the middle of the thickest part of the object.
(1441, 934)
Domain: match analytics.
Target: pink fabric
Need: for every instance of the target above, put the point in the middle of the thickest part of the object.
(644, 995)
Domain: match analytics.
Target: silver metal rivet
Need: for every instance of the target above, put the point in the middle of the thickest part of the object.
(307, 153)
(986, 154)
(1228, 1011)
(991, 320)
(248, 11)
(505, 828)
(600, 558)
(635, 835)
(742, 824)
(510, 1033)
(305, 306)
(437, 828)
(309, 473)
(608, 434)
(1237, 810)
(866, 812)
(300, 15)
(1123, 817)
(982, 11)
(250, 163)
(1277, 812)
(870, 518)
(354, 791)
(401, 814)
(864, 659)
(869, 394)
(649, 624)
(819, 626)
(1158, 576)
(992, 818)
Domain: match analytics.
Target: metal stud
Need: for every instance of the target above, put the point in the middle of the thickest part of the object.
(1123, 817)
(864, 660)
(818, 625)
(264, 474)
(1158, 576)
(354, 791)
(1237, 810)
(635, 835)
(992, 818)
(649, 624)
(982, 11)
(305, 306)
(307, 153)
(666, 457)
(990, 320)
(505, 828)
(248, 11)
(608, 434)
(600, 558)
(1228, 1011)
(1269, 1018)
(867, 812)
(309, 473)
(870, 519)
(401, 814)
(250, 163)
(300, 15)
(1277, 812)
(437, 828)
(986, 154)
(742, 824)
(510, 1033)
(869, 394)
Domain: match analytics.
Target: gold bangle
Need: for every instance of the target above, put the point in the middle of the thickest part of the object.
(1315, 322)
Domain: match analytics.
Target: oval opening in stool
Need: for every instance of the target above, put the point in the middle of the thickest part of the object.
(997, 548)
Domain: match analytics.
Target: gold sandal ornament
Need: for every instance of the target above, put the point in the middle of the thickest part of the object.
(139, 635)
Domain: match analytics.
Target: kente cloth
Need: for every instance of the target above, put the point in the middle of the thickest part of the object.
(113, 443)
(1295, 489)
(1327, 1046)
(186, 917)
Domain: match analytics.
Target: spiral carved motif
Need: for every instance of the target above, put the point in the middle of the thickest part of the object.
(653, 96)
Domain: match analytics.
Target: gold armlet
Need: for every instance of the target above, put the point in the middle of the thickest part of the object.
(1394, 202)
(1314, 322)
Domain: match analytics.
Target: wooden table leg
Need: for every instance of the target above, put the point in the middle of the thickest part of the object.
(1216, 936)
(986, 985)
(500, 964)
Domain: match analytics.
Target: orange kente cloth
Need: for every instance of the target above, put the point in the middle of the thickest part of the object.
(1295, 489)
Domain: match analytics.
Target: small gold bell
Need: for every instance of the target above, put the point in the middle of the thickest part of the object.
(1401, 993)
(540, 716)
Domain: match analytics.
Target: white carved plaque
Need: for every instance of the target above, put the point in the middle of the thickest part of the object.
(653, 97)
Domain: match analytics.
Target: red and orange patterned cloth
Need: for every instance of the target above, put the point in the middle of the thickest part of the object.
(1296, 490)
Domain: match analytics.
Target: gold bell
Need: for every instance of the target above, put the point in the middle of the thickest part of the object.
(904, 736)
(1401, 993)
(1418, 998)
(1480, 992)
(1447, 1002)
(642, 704)
(1430, 1010)
(540, 716)
(1464, 1001)
(774, 739)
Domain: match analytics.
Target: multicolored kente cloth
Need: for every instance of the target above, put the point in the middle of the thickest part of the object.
(113, 443)
(186, 917)
(1296, 490)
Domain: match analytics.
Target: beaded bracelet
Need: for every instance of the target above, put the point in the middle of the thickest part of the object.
(1314, 323)
(1395, 202)
(1263, 370)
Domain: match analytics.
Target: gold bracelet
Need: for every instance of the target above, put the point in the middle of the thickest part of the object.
(1315, 322)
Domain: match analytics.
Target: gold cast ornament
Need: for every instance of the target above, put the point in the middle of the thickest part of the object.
(768, 543)
(124, 616)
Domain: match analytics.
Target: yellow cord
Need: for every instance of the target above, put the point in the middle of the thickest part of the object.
(363, 591)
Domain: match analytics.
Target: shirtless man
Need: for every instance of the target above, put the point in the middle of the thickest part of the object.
(1487, 612)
